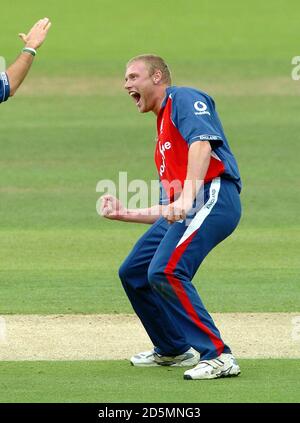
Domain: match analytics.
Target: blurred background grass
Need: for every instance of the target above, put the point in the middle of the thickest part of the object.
(98, 36)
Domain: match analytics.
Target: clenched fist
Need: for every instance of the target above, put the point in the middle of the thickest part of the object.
(111, 207)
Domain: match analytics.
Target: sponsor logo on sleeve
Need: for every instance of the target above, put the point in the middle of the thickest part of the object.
(201, 108)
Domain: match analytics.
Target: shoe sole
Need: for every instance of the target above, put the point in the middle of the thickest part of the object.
(189, 360)
(144, 364)
(215, 376)
(164, 364)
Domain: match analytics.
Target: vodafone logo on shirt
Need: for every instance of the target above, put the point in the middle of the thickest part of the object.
(201, 108)
(162, 148)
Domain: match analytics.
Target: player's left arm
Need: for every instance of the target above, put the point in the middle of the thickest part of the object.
(198, 163)
(112, 208)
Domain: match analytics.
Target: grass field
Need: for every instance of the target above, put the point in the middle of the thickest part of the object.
(116, 381)
(71, 125)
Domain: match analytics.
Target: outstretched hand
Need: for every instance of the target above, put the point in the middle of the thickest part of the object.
(37, 34)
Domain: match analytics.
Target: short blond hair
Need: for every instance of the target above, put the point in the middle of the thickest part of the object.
(153, 63)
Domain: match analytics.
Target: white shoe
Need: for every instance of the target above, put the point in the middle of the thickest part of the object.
(151, 358)
(223, 366)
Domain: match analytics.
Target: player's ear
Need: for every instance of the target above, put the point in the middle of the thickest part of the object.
(157, 76)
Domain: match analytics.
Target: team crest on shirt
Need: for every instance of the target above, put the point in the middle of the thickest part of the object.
(201, 108)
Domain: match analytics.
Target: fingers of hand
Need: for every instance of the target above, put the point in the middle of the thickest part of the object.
(107, 205)
(175, 218)
(42, 22)
(46, 28)
(45, 24)
(174, 214)
(22, 36)
(106, 211)
(106, 208)
(104, 201)
(107, 198)
(42, 26)
(182, 214)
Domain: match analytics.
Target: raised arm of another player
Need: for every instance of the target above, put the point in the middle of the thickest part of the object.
(33, 40)
(112, 208)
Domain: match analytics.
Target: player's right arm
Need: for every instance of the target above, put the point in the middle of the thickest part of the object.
(33, 40)
(111, 208)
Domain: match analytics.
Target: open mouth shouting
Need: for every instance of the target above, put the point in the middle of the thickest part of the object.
(136, 97)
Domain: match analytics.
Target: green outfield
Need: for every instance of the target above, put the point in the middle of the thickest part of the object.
(72, 125)
(116, 381)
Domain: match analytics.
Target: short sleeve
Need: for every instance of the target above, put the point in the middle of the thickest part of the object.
(4, 87)
(193, 114)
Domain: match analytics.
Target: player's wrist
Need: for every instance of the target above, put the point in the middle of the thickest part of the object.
(29, 50)
(184, 203)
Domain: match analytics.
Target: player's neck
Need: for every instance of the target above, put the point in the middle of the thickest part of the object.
(160, 96)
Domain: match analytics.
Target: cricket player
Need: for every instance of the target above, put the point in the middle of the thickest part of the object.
(15, 74)
(194, 162)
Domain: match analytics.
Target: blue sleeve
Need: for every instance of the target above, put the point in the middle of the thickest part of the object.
(194, 115)
(163, 198)
(4, 87)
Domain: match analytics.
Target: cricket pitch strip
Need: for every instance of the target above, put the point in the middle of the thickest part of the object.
(118, 336)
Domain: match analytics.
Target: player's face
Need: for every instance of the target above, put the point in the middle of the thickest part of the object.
(140, 86)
